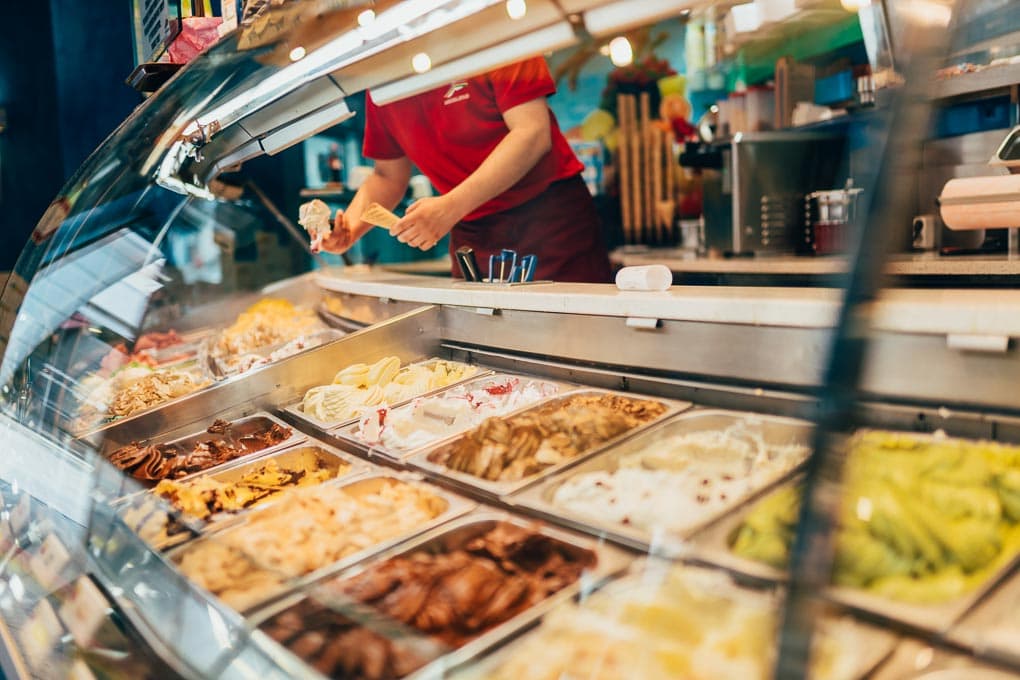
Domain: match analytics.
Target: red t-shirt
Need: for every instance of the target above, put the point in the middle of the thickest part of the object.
(449, 131)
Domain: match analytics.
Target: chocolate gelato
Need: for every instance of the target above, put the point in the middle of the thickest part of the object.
(340, 648)
(175, 460)
(456, 596)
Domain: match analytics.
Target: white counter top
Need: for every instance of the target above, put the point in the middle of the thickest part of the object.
(922, 264)
(990, 312)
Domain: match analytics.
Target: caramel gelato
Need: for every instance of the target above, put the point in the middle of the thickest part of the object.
(270, 321)
(523, 445)
(306, 530)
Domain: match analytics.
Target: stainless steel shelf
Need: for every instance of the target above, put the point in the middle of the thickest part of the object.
(989, 80)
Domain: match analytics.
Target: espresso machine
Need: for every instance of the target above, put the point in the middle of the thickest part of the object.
(756, 201)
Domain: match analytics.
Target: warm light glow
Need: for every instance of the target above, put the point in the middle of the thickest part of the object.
(930, 13)
(421, 62)
(854, 5)
(297, 54)
(366, 18)
(604, 50)
(516, 9)
(620, 51)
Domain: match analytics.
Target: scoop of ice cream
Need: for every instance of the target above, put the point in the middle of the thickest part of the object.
(314, 216)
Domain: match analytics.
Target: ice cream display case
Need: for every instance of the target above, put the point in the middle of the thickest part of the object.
(351, 473)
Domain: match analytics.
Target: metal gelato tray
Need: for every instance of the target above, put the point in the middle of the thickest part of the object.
(455, 506)
(713, 546)
(489, 489)
(608, 561)
(219, 368)
(916, 660)
(773, 430)
(866, 645)
(239, 428)
(349, 433)
(992, 628)
(295, 411)
(306, 456)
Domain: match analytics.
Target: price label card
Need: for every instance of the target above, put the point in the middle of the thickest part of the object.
(21, 515)
(84, 611)
(48, 562)
(41, 634)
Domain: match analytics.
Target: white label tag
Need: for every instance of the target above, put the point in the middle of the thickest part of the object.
(84, 611)
(48, 562)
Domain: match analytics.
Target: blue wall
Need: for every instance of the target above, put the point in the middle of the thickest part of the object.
(62, 69)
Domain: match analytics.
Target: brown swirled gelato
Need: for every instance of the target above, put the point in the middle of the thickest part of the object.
(451, 597)
(525, 444)
(175, 460)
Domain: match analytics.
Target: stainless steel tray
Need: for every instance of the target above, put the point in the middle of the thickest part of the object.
(538, 499)
(916, 660)
(713, 546)
(349, 433)
(496, 489)
(871, 645)
(294, 409)
(609, 561)
(240, 427)
(455, 507)
(303, 454)
(993, 627)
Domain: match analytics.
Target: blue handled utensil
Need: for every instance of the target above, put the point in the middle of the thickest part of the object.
(492, 266)
(529, 263)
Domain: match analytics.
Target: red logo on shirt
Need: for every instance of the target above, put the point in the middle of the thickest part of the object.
(452, 96)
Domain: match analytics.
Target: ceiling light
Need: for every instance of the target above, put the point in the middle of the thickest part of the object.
(297, 54)
(516, 9)
(620, 51)
(366, 18)
(421, 63)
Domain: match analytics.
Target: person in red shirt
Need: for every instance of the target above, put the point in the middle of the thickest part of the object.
(506, 175)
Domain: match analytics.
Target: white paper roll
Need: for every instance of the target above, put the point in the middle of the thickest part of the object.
(969, 202)
(648, 277)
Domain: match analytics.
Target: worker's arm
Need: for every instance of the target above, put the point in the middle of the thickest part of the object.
(528, 140)
(385, 186)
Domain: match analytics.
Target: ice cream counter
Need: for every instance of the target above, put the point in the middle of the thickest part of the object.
(539, 482)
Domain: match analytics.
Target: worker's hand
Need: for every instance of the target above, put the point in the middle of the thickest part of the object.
(426, 221)
(341, 238)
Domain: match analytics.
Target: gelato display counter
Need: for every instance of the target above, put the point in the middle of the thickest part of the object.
(356, 473)
(549, 498)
